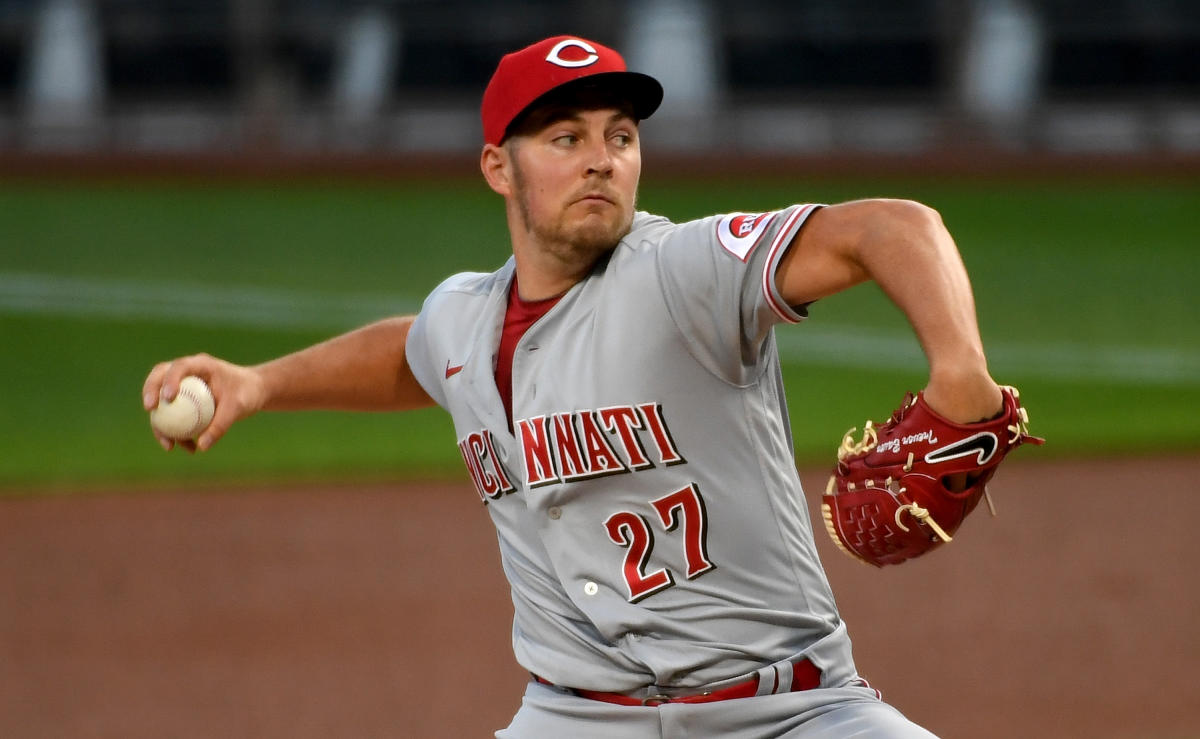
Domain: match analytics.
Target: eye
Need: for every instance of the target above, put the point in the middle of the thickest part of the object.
(622, 139)
(565, 140)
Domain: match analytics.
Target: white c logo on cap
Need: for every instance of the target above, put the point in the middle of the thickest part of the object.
(554, 58)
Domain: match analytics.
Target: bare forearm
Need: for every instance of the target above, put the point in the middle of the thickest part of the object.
(365, 369)
(912, 257)
(918, 266)
(904, 248)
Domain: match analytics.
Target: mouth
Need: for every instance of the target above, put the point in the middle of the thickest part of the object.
(593, 198)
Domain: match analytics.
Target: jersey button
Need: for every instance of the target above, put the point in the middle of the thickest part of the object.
(591, 588)
(554, 512)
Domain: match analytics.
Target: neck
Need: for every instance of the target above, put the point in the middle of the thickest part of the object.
(546, 269)
(541, 276)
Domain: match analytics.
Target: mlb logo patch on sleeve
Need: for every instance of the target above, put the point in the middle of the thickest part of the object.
(739, 233)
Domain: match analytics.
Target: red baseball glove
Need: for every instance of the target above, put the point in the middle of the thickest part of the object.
(887, 500)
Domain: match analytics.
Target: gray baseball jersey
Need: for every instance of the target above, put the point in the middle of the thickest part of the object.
(649, 514)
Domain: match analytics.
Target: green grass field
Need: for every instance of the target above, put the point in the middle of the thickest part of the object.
(1086, 292)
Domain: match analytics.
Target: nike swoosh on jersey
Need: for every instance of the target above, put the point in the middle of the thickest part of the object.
(452, 371)
(984, 444)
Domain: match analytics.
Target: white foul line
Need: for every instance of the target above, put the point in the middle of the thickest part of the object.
(854, 346)
(249, 307)
(812, 344)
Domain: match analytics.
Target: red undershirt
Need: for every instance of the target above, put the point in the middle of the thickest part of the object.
(520, 315)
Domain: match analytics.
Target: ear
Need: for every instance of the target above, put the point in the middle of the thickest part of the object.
(495, 163)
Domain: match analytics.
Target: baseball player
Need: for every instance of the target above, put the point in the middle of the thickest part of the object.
(616, 393)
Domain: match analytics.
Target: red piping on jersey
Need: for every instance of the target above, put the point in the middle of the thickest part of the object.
(780, 242)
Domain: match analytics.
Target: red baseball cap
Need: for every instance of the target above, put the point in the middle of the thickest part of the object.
(524, 76)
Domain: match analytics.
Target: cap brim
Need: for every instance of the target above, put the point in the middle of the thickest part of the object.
(642, 90)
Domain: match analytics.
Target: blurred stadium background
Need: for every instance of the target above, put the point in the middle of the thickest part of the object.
(395, 77)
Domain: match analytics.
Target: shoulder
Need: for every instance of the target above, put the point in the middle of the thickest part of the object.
(647, 230)
(651, 235)
(451, 320)
(467, 287)
(464, 294)
(467, 284)
(735, 234)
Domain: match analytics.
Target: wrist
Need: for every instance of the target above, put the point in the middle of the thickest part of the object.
(259, 383)
(963, 394)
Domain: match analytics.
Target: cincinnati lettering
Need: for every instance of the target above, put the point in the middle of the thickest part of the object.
(585, 444)
(487, 474)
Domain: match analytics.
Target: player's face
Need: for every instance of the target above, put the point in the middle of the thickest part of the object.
(575, 182)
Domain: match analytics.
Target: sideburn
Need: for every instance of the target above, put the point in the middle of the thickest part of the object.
(519, 181)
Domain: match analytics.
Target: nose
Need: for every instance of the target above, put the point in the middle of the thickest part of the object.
(600, 160)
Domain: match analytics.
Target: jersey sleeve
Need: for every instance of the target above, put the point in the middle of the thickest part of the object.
(718, 279)
(447, 326)
(418, 353)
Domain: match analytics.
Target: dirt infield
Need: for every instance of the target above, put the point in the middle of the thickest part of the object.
(373, 611)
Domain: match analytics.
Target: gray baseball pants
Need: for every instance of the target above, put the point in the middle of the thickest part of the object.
(825, 713)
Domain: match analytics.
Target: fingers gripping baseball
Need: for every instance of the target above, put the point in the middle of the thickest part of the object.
(237, 392)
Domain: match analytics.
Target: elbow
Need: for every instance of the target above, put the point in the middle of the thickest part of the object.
(905, 224)
(908, 216)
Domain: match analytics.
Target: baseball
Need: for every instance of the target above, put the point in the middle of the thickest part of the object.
(188, 414)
